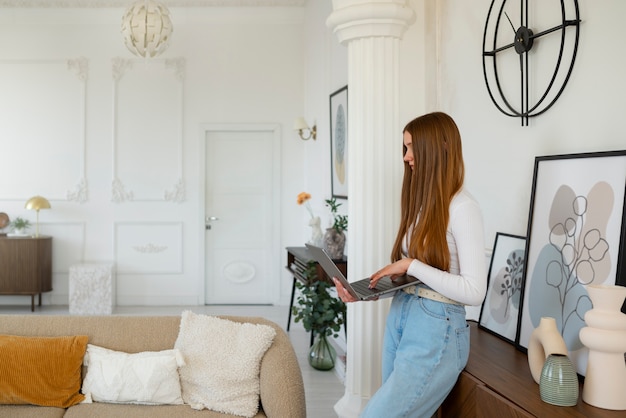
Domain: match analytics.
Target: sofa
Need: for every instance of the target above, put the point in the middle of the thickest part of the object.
(281, 385)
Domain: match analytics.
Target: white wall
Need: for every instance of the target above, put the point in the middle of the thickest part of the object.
(499, 152)
(325, 73)
(441, 69)
(242, 65)
(262, 65)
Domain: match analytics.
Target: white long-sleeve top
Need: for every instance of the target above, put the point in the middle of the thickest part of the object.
(466, 282)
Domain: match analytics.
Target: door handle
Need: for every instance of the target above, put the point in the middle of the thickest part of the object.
(208, 220)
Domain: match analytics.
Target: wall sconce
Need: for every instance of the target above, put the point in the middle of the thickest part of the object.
(36, 203)
(300, 125)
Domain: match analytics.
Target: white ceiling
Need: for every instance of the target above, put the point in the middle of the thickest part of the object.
(168, 3)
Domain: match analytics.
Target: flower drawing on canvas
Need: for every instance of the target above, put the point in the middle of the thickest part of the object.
(576, 254)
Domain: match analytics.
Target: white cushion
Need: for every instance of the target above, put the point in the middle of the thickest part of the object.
(223, 360)
(149, 377)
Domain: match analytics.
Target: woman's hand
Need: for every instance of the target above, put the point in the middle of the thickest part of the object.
(343, 294)
(394, 270)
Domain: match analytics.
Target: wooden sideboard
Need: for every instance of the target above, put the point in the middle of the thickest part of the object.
(497, 383)
(26, 266)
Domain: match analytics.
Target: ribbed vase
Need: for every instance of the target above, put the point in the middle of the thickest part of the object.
(605, 337)
(558, 384)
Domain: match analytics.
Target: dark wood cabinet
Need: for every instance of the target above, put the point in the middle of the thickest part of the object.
(298, 259)
(26, 266)
(497, 383)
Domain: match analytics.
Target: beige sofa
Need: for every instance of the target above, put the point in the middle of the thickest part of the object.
(282, 389)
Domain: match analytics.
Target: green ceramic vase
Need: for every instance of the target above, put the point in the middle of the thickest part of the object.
(558, 384)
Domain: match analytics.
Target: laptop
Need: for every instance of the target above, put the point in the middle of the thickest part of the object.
(359, 289)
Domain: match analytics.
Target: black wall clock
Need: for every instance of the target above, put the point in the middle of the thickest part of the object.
(529, 49)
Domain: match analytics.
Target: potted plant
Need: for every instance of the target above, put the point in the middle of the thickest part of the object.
(335, 238)
(20, 225)
(322, 314)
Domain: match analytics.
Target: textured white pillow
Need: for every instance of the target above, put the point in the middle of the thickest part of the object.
(150, 377)
(223, 360)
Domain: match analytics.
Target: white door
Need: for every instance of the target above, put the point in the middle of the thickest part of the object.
(240, 209)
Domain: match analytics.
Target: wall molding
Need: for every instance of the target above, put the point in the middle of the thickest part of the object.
(154, 248)
(80, 193)
(126, 3)
(120, 192)
(80, 68)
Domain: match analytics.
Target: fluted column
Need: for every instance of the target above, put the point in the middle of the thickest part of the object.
(372, 31)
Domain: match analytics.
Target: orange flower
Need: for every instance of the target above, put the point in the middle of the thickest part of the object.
(303, 197)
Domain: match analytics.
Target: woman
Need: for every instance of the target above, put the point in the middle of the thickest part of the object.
(440, 241)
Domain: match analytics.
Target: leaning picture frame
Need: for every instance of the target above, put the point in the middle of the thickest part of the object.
(500, 309)
(575, 237)
(339, 143)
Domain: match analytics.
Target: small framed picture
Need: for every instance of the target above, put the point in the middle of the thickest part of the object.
(500, 310)
(576, 237)
(339, 143)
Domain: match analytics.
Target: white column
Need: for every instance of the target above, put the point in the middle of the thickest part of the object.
(372, 31)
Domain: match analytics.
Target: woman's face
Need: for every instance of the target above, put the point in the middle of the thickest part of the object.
(408, 155)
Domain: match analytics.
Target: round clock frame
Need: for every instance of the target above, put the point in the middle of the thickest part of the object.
(523, 39)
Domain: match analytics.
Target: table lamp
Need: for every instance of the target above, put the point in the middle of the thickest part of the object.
(36, 203)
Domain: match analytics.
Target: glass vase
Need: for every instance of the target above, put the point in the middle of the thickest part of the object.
(322, 354)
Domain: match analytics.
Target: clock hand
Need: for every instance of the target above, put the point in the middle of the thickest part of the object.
(509, 19)
(495, 51)
(523, 42)
(554, 29)
(532, 36)
(521, 79)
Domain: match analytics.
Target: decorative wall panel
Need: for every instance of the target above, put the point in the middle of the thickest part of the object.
(149, 247)
(148, 122)
(42, 126)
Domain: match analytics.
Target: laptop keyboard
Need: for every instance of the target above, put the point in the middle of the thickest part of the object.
(362, 286)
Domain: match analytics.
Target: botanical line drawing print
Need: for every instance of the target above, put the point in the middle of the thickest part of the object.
(500, 310)
(576, 254)
(510, 286)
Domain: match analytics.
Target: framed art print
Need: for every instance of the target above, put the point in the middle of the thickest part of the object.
(339, 142)
(499, 312)
(575, 238)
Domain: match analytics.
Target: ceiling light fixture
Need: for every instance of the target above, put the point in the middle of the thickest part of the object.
(146, 27)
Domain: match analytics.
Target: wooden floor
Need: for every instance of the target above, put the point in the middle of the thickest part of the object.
(322, 389)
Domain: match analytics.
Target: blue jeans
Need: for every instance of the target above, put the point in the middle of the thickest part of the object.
(425, 348)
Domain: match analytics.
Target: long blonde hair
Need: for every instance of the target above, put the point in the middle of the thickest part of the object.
(428, 189)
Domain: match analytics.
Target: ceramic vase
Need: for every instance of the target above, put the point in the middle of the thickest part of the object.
(544, 340)
(322, 354)
(334, 243)
(605, 337)
(558, 384)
